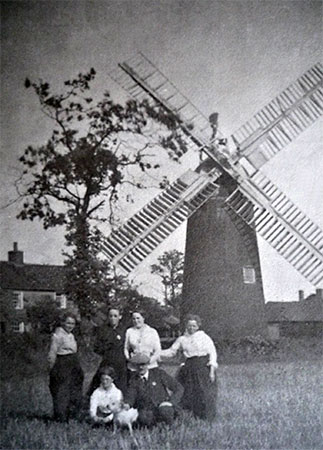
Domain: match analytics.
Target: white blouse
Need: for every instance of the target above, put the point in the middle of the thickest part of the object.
(196, 344)
(103, 398)
(142, 340)
(62, 343)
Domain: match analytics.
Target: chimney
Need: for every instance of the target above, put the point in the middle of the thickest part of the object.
(319, 293)
(16, 256)
(300, 296)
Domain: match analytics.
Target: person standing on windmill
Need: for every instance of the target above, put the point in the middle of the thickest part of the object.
(198, 373)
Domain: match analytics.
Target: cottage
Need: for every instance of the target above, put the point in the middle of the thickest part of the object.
(21, 284)
(295, 319)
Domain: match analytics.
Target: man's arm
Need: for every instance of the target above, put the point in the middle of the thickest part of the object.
(131, 393)
(174, 386)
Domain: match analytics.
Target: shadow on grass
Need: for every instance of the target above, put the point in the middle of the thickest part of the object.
(45, 418)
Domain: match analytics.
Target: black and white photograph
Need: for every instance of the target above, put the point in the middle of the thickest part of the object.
(161, 246)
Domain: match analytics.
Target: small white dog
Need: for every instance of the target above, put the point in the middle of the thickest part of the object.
(123, 417)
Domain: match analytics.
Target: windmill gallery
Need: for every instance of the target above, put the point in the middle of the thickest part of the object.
(226, 200)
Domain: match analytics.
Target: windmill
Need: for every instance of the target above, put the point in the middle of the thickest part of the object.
(227, 200)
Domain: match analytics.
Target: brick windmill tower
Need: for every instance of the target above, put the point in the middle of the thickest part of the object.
(227, 201)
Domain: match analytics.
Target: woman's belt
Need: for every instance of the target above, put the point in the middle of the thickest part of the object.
(66, 354)
(199, 360)
(197, 357)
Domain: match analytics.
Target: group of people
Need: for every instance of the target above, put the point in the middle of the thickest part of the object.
(129, 372)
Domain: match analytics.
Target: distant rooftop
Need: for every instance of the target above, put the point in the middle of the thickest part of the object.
(307, 310)
(15, 274)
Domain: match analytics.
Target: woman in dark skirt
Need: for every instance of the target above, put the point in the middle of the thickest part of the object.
(198, 373)
(109, 344)
(66, 374)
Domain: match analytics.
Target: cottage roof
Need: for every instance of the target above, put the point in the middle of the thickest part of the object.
(309, 310)
(32, 277)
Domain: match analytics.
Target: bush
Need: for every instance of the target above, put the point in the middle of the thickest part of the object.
(23, 354)
(250, 347)
(43, 315)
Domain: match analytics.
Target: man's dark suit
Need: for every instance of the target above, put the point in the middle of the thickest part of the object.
(147, 396)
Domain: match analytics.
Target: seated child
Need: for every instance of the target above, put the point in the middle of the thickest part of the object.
(105, 394)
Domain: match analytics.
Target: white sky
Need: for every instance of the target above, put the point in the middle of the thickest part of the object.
(227, 56)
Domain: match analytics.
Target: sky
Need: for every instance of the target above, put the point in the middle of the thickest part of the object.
(227, 56)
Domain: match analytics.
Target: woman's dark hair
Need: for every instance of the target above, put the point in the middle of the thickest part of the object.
(107, 370)
(193, 317)
(116, 308)
(140, 311)
(66, 315)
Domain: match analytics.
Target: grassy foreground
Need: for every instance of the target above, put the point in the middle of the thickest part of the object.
(261, 405)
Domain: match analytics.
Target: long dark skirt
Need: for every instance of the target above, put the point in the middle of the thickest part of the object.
(199, 392)
(65, 384)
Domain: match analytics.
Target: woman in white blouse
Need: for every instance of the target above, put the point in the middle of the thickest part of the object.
(197, 374)
(141, 338)
(66, 374)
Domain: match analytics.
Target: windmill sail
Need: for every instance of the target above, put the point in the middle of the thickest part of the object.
(287, 229)
(283, 119)
(141, 234)
(140, 78)
(255, 199)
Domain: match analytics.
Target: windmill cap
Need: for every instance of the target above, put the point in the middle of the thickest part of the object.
(139, 358)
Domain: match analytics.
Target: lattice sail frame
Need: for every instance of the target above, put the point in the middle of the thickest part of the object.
(282, 120)
(287, 229)
(158, 87)
(273, 215)
(141, 234)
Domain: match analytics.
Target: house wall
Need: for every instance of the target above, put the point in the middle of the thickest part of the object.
(21, 300)
(273, 331)
(298, 329)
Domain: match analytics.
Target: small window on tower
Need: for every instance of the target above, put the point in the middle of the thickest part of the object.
(249, 275)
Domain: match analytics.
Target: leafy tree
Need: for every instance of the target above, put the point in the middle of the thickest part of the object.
(75, 177)
(43, 315)
(126, 295)
(155, 312)
(170, 270)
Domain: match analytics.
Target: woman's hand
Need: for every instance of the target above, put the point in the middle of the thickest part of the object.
(212, 374)
(104, 410)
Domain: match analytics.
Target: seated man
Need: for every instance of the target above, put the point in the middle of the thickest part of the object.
(148, 391)
(105, 394)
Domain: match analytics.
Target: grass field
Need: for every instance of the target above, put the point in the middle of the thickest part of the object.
(261, 405)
